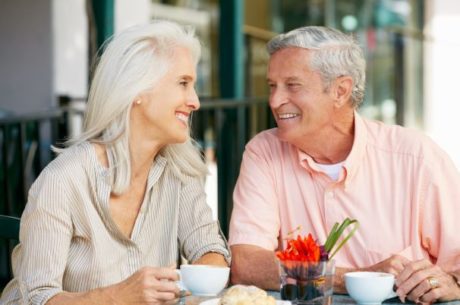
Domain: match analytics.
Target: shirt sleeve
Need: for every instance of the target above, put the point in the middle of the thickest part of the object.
(45, 236)
(439, 213)
(198, 233)
(255, 217)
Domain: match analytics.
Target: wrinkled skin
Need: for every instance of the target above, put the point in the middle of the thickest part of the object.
(412, 280)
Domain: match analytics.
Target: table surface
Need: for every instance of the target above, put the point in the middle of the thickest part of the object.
(336, 300)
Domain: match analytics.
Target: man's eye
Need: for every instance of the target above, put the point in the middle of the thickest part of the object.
(293, 85)
(183, 83)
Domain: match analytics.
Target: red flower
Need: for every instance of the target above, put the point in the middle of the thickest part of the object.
(305, 250)
(308, 250)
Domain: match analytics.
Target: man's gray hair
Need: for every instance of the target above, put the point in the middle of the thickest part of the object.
(335, 54)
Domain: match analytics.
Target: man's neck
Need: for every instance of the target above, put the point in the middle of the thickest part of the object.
(332, 145)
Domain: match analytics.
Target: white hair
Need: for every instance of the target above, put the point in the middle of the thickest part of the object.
(335, 54)
(132, 62)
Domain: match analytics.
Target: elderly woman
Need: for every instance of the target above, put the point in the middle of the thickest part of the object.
(107, 219)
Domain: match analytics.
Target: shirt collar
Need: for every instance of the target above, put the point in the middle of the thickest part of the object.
(353, 160)
(156, 170)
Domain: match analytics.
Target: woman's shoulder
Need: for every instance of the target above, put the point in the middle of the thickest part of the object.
(72, 160)
(69, 170)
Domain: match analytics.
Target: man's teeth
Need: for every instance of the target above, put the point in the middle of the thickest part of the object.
(287, 115)
(182, 117)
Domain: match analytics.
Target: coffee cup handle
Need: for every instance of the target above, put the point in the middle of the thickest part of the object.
(179, 283)
(392, 295)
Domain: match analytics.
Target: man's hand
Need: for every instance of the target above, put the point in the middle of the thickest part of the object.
(423, 282)
(252, 265)
(418, 281)
(394, 265)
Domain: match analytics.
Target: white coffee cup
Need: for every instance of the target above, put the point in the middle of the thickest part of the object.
(370, 288)
(204, 280)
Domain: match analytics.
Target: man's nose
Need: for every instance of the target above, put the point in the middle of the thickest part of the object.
(277, 98)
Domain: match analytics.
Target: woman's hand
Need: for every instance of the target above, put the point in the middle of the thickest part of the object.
(423, 282)
(147, 286)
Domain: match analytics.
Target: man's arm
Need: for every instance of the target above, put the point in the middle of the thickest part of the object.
(252, 265)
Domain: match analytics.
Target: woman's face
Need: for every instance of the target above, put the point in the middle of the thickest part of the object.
(162, 114)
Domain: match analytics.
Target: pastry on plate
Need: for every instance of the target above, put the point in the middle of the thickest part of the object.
(246, 295)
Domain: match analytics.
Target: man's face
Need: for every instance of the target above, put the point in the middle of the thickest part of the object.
(299, 102)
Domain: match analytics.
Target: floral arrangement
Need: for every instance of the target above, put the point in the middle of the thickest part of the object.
(307, 249)
(306, 267)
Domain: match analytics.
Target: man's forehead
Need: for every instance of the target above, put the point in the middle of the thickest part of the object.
(285, 78)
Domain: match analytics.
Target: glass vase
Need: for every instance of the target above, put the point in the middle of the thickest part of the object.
(305, 283)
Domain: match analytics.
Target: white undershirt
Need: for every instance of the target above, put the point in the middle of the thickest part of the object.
(332, 170)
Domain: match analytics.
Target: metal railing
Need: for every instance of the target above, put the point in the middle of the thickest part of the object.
(24, 152)
(232, 124)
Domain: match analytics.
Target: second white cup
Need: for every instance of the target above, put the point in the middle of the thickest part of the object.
(370, 288)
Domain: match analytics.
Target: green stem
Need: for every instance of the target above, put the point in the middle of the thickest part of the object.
(335, 234)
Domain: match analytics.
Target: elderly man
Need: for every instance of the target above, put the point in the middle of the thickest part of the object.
(324, 162)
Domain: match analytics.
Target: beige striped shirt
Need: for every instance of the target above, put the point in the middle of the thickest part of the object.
(68, 240)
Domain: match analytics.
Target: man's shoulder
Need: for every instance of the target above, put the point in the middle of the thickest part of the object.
(267, 142)
(400, 140)
(266, 138)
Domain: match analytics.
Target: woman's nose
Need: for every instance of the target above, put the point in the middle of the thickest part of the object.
(193, 101)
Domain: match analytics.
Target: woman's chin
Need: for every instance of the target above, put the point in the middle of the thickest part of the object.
(180, 139)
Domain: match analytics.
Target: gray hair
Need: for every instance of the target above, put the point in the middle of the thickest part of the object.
(335, 54)
(133, 61)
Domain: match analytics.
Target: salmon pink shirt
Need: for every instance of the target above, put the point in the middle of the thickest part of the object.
(401, 187)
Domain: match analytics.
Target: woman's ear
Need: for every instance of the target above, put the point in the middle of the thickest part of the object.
(343, 88)
(137, 100)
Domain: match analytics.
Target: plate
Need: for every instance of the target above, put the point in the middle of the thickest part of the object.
(216, 301)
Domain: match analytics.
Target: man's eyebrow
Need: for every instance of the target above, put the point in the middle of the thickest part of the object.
(288, 79)
(292, 79)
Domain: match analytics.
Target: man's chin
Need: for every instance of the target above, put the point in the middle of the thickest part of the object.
(282, 135)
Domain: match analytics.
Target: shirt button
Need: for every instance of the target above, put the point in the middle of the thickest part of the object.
(330, 194)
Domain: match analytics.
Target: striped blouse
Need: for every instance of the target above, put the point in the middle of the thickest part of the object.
(69, 242)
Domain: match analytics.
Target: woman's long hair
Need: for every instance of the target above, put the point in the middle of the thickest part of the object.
(132, 62)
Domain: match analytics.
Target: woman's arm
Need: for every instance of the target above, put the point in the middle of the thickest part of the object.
(147, 286)
(199, 235)
(216, 259)
(45, 237)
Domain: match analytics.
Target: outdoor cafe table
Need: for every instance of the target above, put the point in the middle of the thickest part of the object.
(336, 300)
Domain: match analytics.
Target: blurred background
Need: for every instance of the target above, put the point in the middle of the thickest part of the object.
(47, 49)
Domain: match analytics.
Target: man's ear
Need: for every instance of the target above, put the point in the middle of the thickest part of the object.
(343, 87)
